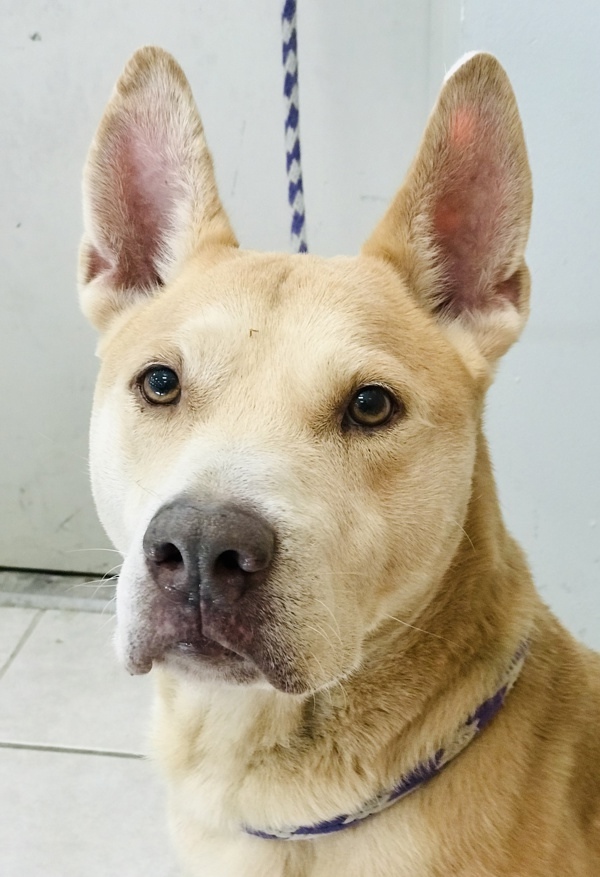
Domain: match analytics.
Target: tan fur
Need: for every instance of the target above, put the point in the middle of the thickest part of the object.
(399, 597)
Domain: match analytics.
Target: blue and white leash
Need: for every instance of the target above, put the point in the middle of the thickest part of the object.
(292, 126)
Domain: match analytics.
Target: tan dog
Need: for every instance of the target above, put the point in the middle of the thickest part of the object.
(288, 452)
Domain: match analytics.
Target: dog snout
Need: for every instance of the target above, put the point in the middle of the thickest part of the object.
(212, 552)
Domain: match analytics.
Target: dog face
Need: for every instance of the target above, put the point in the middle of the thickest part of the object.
(282, 446)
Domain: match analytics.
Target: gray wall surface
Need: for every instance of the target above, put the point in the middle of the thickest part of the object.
(369, 72)
(543, 414)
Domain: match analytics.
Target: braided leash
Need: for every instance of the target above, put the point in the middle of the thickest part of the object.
(292, 126)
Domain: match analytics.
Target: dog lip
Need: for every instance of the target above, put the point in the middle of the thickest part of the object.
(206, 648)
(138, 665)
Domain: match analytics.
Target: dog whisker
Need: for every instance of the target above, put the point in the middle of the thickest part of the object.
(75, 550)
(420, 629)
(321, 633)
(107, 616)
(460, 526)
(107, 581)
(335, 630)
(327, 688)
(98, 585)
(147, 489)
(339, 684)
(346, 574)
(109, 575)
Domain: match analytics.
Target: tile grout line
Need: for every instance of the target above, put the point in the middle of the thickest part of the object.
(71, 750)
(30, 628)
(10, 599)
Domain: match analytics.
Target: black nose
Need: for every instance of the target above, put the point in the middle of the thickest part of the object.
(211, 550)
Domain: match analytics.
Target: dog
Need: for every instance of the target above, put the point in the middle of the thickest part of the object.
(355, 675)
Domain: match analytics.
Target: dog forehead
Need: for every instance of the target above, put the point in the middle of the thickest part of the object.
(257, 313)
(293, 301)
(262, 283)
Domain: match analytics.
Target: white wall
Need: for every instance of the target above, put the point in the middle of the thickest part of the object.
(369, 70)
(544, 410)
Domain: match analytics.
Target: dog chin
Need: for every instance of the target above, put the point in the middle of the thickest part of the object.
(211, 664)
(197, 657)
(204, 660)
(229, 668)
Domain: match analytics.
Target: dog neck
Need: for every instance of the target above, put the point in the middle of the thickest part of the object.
(419, 775)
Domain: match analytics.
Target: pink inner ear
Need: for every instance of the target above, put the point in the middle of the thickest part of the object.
(470, 213)
(462, 127)
(133, 205)
(96, 265)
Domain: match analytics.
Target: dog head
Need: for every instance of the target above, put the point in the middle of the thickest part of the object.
(282, 447)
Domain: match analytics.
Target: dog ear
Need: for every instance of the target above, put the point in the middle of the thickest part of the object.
(150, 197)
(457, 229)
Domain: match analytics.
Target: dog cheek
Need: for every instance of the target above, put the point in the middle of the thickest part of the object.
(400, 523)
(128, 621)
(124, 491)
(313, 629)
(108, 475)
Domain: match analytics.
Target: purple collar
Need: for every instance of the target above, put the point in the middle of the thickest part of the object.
(418, 776)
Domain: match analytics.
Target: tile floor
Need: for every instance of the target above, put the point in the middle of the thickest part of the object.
(76, 800)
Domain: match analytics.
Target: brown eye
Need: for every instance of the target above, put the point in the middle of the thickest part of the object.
(371, 406)
(160, 385)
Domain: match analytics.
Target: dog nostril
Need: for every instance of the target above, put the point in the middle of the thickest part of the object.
(244, 562)
(228, 561)
(167, 555)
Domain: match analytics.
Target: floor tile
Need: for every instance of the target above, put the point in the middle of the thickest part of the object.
(66, 688)
(41, 590)
(13, 625)
(64, 815)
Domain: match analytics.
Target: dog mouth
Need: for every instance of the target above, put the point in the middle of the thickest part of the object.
(202, 651)
(204, 657)
(206, 648)
(244, 647)
(187, 637)
(186, 655)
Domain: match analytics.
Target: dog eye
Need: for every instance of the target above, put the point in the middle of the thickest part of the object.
(160, 385)
(371, 406)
